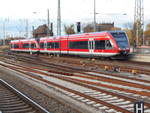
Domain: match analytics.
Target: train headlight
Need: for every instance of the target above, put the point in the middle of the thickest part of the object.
(107, 37)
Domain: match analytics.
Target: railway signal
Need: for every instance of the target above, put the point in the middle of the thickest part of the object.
(78, 27)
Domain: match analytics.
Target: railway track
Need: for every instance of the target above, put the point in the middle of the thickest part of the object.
(110, 78)
(71, 92)
(97, 97)
(127, 66)
(107, 92)
(13, 101)
(71, 68)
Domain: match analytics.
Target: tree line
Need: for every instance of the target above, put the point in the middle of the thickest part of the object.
(129, 28)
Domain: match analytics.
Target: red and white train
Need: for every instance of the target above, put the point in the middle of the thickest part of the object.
(99, 44)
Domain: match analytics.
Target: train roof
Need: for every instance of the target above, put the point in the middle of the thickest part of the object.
(94, 33)
(70, 36)
(23, 40)
(73, 35)
(14, 41)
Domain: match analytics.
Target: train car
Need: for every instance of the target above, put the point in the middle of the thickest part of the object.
(49, 45)
(26, 45)
(97, 44)
(15, 45)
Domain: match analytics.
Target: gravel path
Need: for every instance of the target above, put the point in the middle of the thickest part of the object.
(51, 104)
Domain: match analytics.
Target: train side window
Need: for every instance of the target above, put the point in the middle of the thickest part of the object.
(56, 45)
(49, 44)
(78, 44)
(100, 44)
(53, 45)
(42, 45)
(108, 44)
(33, 45)
(16, 46)
(26, 45)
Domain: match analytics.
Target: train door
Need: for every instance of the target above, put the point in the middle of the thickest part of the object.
(30, 49)
(91, 46)
(45, 45)
(12, 45)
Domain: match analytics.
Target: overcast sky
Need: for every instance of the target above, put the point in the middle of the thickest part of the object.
(73, 10)
(70, 8)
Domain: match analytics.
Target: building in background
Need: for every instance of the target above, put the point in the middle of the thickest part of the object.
(105, 26)
(42, 31)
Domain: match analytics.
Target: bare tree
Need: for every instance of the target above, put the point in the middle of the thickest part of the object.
(128, 25)
(69, 29)
(42, 31)
(147, 34)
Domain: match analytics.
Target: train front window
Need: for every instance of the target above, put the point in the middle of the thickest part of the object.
(121, 39)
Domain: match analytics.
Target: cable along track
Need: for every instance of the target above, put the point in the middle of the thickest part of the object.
(13, 101)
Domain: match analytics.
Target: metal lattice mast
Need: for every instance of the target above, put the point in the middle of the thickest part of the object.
(139, 21)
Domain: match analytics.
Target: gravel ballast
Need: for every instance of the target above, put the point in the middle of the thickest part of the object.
(51, 104)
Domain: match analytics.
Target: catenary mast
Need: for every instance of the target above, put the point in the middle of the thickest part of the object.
(139, 21)
(59, 20)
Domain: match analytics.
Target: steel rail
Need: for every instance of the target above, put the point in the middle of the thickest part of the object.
(18, 96)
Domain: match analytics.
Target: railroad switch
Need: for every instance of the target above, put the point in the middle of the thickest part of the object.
(134, 72)
(81, 62)
(116, 69)
(57, 55)
(83, 65)
(93, 59)
(106, 68)
(51, 55)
